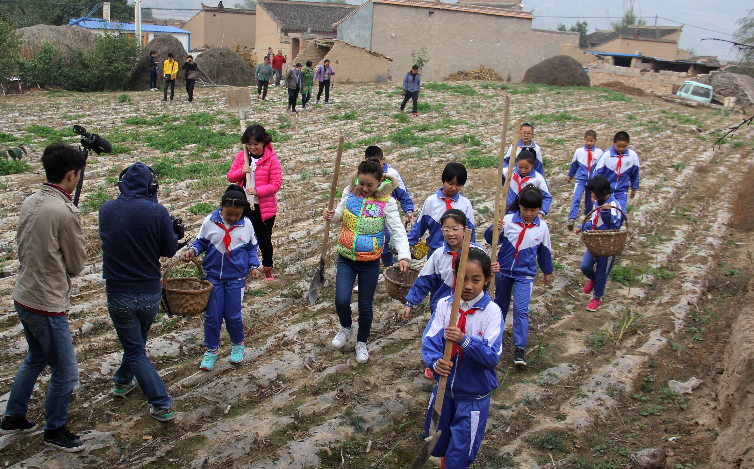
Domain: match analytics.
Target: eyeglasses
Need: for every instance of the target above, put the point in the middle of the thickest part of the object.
(234, 203)
(454, 230)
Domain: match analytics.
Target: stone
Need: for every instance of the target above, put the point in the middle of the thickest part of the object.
(560, 70)
(650, 458)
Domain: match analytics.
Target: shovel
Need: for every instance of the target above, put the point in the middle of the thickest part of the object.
(319, 276)
(434, 433)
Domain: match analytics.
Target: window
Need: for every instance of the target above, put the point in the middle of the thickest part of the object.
(700, 92)
(685, 89)
(431, 14)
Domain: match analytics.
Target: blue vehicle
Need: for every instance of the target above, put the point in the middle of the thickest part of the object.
(695, 91)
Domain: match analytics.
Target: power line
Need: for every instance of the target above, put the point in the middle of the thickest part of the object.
(638, 17)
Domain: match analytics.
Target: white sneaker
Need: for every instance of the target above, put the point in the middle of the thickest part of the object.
(342, 337)
(356, 288)
(362, 354)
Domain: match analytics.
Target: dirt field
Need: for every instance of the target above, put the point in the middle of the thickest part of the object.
(585, 401)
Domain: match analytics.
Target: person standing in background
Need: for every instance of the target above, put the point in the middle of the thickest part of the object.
(277, 66)
(153, 71)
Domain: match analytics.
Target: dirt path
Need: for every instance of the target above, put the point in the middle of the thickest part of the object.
(297, 403)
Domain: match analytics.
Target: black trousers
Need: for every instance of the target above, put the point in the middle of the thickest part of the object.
(171, 84)
(324, 85)
(152, 79)
(262, 85)
(413, 95)
(292, 97)
(263, 230)
(190, 89)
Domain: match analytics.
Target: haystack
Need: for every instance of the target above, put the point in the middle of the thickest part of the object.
(162, 44)
(63, 38)
(225, 67)
(480, 74)
(560, 70)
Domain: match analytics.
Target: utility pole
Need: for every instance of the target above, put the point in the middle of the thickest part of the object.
(137, 21)
(655, 20)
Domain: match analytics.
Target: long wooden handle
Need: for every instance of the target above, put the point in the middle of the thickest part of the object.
(498, 187)
(454, 315)
(333, 189)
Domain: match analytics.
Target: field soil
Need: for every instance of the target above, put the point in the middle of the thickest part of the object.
(678, 304)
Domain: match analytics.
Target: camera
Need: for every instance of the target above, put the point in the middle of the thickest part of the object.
(92, 142)
(178, 228)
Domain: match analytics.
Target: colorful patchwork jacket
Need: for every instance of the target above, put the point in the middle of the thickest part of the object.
(362, 237)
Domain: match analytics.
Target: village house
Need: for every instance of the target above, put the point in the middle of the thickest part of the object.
(651, 41)
(223, 27)
(289, 25)
(148, 31)
(352, 63)
(450, 37)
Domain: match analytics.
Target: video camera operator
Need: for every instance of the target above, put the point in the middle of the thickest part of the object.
(136, 231)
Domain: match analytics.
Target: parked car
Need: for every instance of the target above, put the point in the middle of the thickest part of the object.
(695, 91)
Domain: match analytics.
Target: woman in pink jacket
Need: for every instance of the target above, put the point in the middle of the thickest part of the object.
(265, 178)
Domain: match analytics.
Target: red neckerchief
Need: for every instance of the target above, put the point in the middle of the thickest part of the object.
(596, 217)
(521, 181)
(226, 238)
(65, 192)
(620, 163)
(521, 236)
(447, 200)
(589, 160)
(453, 267)
(462, 326)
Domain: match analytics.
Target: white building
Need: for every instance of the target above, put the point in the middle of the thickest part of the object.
(149, 31)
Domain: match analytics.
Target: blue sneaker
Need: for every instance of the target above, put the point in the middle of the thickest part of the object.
(236, 353)
(208, 362)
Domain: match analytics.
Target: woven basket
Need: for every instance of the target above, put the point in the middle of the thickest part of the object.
(185, 296)
(398, 284)
(605, 243)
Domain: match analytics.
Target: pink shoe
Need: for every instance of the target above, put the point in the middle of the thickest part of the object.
(268, 274)
(589, 286)
(594, 304)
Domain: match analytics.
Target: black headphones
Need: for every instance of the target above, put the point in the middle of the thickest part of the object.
(153, 184)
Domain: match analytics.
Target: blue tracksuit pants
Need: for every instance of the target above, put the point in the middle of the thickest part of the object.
(599, 274)
(462, 424)
(579, 191)
(224, 303)
(622, 199)
(521, 289)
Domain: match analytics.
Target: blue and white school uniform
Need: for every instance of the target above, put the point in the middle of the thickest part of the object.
(602, 220)
(466, 404)
(518, 182)
(231, 252)
(522, 247)
(436, 277)
(429, 219)
(401, 195)
(539, 165)
(622, 170)
(582, 168)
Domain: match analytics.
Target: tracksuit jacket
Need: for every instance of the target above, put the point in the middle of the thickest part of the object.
(581, 167)
(605, 219)
(401, 192)
(519, 255)
(539, 167)
(412, 83)
(518, 182)
(621, 170)
(235, 262)
(429, 219)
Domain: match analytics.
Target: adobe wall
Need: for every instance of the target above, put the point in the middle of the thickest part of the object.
(476, 40)
(660, 50)
(224, 29)
(576, 53)
(661, 82)
(196, 26)
(359, 30)
(357, 64)
(268, 35)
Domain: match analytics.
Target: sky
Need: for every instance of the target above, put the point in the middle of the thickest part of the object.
(720, 16)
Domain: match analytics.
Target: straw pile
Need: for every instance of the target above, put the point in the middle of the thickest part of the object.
(480, 74)
(225, 67)
(64, 38)
(162, 44)
(560, 70)
(247, 54)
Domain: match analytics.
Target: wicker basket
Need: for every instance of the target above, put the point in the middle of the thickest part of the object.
(398, 283)
(185, 296)
(605, 243)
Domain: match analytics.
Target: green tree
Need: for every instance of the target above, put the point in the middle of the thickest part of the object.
(9, 46)
(31, 12)
(246, 5)
(629, 17)
(562, 28)
(146, 14)
(745, 35)
(580, 27)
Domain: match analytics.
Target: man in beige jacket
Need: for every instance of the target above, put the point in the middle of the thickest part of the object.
(50, 251)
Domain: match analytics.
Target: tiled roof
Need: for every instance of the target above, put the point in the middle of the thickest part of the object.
(647, 33)
(447, 6)
(302, 16)
(147, 28)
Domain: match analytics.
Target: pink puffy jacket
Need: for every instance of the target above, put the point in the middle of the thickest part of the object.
(267, 179)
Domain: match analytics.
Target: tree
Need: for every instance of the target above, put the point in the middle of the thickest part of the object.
(745, 35)
(31, 12)
(580, 27)
(146, 14)
(562, 28)
(629, 18)
(9, 46)
(246, 5)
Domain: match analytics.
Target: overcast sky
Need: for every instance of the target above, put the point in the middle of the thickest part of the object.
(719, 16)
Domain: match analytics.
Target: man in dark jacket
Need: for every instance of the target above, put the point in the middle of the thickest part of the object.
(136, 231)
(153, 64)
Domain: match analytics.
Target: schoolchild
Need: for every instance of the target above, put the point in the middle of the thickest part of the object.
(524, 244)
(478, 343)
(606, 217)
(525, 141)
(265, 178)
(525, 174)
(366, 209)
(448, 196)
(400, 194)
(620, 165)
(582, 168)
(411, 88)
(227, 238)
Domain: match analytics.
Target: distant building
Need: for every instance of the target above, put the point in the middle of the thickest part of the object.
(455, 36)
(149, 31)
(222, 27)
(288, 25)
(653, 41)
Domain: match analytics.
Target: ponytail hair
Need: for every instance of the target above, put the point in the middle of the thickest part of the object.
(479, 256)
(529, 197)
(234, 196)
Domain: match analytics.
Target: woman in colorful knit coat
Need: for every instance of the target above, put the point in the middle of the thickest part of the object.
(366, 208)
